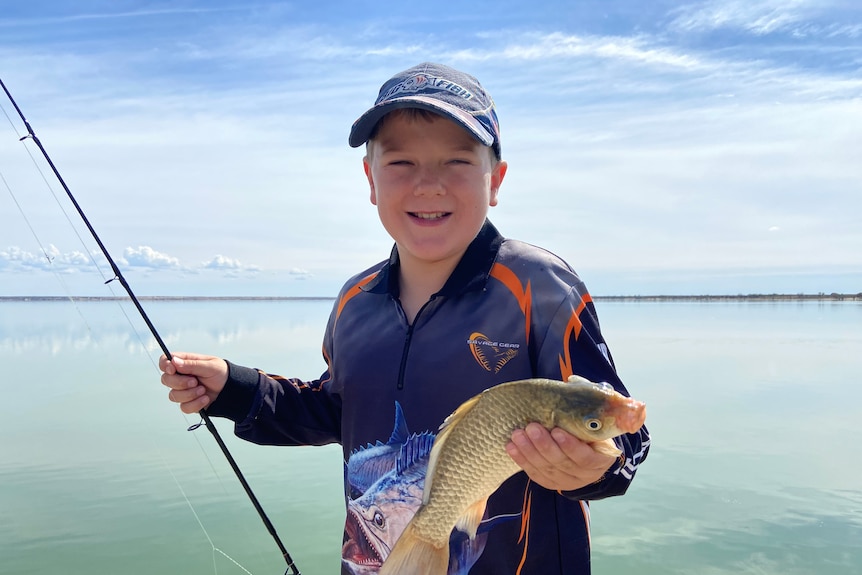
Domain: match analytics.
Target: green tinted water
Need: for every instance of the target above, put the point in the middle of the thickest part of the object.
(754, 411)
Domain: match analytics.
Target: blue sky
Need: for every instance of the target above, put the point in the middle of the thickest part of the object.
(659, 147)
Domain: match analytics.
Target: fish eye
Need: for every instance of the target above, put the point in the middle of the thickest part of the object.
(379, 521)
(594, 424)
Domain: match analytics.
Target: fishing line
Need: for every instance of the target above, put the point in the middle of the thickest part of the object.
(118, 276)
(144, 345)
(45, 252)
(198, 519)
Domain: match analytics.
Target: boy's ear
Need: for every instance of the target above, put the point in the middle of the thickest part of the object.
(497, 176)
(367, 167)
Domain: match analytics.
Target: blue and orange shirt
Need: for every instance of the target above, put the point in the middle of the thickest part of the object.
(509, 311)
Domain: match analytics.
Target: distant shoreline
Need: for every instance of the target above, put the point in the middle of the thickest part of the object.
(629, 298)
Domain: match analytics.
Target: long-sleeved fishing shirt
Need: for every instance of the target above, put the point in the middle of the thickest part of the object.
(509, 311)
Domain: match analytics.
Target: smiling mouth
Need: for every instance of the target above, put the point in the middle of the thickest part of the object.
(429, 215)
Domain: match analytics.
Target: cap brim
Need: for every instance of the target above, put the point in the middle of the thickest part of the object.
(362, 128)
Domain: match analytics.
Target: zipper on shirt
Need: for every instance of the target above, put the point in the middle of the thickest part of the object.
(407, 339)
(404, 354)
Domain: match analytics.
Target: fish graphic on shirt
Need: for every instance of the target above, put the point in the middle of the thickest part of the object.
(385, 483)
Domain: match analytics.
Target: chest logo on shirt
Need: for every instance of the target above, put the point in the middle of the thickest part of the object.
(491, 355)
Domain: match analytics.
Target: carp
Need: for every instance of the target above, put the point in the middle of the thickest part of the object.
(468, 460)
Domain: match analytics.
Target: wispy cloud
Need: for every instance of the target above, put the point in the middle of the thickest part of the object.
(798, 18)
(300, 274)
(72, 18)
(710, 127)
(757, 17)
(556, 45)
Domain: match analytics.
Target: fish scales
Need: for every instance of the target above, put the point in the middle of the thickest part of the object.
(469, 462)
(475, 461)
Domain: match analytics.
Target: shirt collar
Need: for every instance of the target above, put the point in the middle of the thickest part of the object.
(471, 273)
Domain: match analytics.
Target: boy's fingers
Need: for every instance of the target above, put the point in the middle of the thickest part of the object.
(179, 381)
(185, 395)
(195, 405)
(165, 365)
(195, 364)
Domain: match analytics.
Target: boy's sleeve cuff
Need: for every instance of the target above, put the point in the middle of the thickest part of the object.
(238, 395)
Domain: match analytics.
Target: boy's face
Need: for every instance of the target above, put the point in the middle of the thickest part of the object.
(433, 184)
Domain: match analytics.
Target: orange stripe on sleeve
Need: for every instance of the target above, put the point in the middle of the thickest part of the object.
(573, 329)
(353, 292)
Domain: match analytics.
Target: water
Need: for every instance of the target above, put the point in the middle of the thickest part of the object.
(754, 410)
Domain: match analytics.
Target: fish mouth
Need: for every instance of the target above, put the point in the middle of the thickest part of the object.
(360, 548)
(631, 415)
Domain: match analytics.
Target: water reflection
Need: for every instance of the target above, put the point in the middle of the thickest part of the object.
(753, 410)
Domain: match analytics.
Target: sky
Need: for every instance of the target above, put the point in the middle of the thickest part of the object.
(705, 147)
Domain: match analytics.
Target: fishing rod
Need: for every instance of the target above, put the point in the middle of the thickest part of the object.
(118, 275)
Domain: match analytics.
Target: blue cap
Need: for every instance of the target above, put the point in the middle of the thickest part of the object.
(439, 89)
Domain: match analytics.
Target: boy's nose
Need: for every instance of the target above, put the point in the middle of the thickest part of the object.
(428, 182)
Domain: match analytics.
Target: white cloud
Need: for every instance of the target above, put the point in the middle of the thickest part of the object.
(222, 263)
(15, 259)
(758, 17)
(300, 274)
(799, 18)
(147, 257)
(52, 259)
(639, 50)
(625, 131)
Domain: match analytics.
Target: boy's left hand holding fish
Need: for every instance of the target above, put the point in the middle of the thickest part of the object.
(557, 460)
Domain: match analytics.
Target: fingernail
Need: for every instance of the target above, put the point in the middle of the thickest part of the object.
(559, 435)
(178, 361)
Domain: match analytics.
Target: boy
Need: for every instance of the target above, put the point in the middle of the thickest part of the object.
(454, 310)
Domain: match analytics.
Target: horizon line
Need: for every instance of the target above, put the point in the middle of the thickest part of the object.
(821, 296)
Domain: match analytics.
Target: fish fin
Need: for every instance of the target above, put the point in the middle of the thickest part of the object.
(445, 429)
(469, 522)
(400, 433)
(417, 447)
(606, 447)
(458, 414)
(413, 555)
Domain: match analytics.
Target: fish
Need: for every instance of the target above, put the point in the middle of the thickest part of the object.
(375, 519)
(386, 482)
(369, 463)
(468, 460)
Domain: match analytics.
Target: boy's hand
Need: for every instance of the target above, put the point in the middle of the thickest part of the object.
(556, 459)
(195, 380)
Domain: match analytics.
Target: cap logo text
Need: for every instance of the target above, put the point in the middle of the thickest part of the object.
(422, 83)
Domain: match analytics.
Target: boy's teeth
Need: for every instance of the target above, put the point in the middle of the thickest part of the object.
(431, 216)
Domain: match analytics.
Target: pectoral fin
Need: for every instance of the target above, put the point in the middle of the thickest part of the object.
(606, 447)
(469, 522)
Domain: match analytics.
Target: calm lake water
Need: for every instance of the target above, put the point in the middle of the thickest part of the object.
(755, 412)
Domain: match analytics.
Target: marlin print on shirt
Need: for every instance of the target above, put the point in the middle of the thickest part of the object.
(385, 483)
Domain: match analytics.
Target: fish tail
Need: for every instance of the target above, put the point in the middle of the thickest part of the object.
(413, 555)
